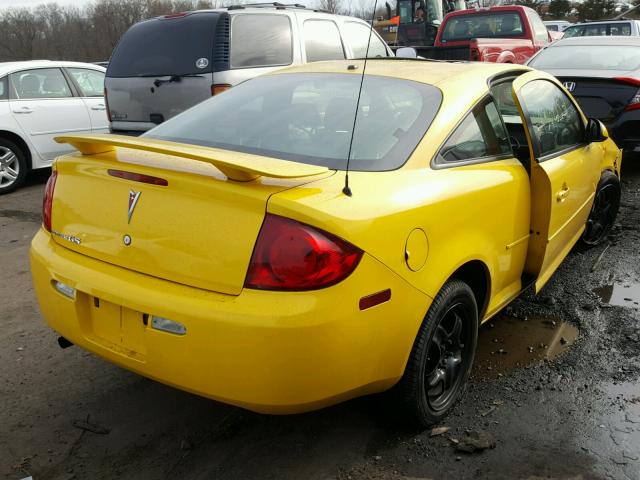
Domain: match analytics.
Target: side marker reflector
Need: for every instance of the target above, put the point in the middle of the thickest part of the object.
(375, 299)
(166, 325)
(65, 289)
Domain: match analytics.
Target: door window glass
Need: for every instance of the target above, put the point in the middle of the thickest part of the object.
(481, 134)
(91, 82)
(4, 94)
(555, 122)
(322, 41)
(40, 83)
(573, 32)
(261, 41)
(620, 29)
(595, 30)
(357, 36)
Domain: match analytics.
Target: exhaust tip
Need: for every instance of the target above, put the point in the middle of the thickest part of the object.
(64, 343)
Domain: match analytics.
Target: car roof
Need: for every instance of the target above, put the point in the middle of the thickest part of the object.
(8, 67)
(594, 41)
(266, 9)
(474, 75)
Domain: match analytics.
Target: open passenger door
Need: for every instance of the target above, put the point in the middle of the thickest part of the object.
(564, 172)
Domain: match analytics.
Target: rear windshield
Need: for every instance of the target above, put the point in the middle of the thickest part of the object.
(166, 46)
(308, 118)
(483, 25)
(592, 57)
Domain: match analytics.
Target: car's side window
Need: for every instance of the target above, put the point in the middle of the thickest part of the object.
(91, 82)
(271, 33)
(4, 90)
(620, 29)
(322, 41)
(357, 36)
(40, 83)
(573, 32)
(480, 135)
(555, 123)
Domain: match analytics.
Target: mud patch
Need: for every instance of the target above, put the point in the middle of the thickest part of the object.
(21, 216)
(507, 343)
(621, 295)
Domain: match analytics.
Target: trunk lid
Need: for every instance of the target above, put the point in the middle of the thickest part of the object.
(199, 229)
(599, 94)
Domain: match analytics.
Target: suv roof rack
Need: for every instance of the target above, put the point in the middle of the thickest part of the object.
(277, 5)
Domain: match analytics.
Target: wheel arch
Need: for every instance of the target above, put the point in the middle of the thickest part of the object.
(19, 141)
(475, 273)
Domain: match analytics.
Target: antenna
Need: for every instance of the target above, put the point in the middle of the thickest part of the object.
(346, 190)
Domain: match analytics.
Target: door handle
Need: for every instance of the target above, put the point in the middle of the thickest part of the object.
(563, 194)
(24, 110)
(98, 107)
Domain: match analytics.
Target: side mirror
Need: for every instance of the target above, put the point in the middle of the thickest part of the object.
(595, 131)
(406, 52)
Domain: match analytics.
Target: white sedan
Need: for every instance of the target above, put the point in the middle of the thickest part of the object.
(39, 100)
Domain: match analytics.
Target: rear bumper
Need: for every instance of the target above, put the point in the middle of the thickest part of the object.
(265, 351)
(625, 131)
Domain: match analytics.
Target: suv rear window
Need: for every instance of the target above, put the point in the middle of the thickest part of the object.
(166, 46)
(309, 118)
(483, 25)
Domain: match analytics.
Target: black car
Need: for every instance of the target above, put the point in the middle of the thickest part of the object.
(603, 74)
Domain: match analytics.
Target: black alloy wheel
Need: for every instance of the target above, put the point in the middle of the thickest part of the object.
(440, 362)
(604, 210)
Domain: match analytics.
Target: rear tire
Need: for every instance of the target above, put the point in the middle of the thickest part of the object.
(13, 166)
(442, 356)
(604, 210)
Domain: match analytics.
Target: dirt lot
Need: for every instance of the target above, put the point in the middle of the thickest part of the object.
(576, 416)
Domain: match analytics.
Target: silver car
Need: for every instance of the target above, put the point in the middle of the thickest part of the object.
(167, 64)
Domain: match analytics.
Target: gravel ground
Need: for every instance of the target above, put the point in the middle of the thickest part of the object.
(550, 403)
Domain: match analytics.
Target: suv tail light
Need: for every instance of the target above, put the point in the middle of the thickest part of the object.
(290, 255)
(219, 88)
(47, 202)
(634, 103)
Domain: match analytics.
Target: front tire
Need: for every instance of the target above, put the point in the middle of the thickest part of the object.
(604, 210)
(13, 166)
(440, 362)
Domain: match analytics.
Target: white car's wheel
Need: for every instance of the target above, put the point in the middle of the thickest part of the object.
(13, 166)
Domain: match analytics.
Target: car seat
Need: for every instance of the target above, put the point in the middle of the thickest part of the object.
(29, 86)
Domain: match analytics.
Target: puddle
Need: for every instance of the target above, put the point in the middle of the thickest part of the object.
(621, 295)
(506, 343)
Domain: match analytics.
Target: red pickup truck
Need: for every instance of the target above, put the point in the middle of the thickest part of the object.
(507, 34)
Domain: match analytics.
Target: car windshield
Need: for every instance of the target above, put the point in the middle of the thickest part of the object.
(483, 25)
(309, 118)
(592, 57)
(180, 45)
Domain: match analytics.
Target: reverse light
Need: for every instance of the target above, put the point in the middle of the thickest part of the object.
(290, 255)
(169, 326)
(219, 88)
(47, 201)
(66, 290)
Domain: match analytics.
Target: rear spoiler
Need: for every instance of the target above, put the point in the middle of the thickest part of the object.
(242, 167)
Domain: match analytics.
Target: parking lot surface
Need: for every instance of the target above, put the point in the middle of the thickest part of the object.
(554, 394)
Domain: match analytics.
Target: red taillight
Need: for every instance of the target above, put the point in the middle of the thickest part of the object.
(634, 103)
(629, 80)
(218, 88)
(293, 256)
(47, 202)
(176, 15)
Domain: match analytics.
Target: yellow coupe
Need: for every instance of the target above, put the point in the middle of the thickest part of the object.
(220, 254)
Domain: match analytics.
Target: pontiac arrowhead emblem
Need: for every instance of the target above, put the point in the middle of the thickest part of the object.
(133, 201)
